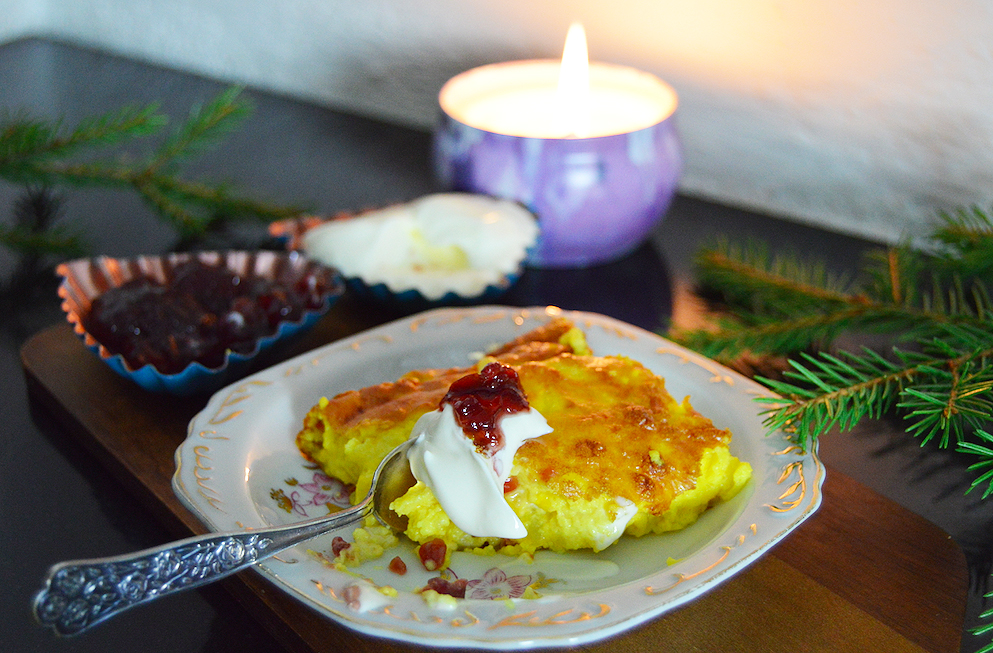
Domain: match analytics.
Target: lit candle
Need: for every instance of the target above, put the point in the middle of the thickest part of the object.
(552, 99)
(590, 148)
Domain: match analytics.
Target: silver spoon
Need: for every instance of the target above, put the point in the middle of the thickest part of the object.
(81, 593)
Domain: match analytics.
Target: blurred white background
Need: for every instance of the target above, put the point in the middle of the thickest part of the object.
(861, 116)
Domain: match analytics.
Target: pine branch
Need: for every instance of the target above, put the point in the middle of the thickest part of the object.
(985, 464)
(193, 207)
(222, 201)
(946, 389)
(964, 230)
(37, 235)
(22, 141)
(206, 126)
(112, 128)
(784, 308)
(748, 275)
(41, 154)
(802, 332)
(986, 615)
(950, 404)
(934, 296)
(58, 240)
(35, 231)
(944, 385)
(832, 391)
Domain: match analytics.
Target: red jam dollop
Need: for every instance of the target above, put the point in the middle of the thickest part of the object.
(202, 312)
(479, 400)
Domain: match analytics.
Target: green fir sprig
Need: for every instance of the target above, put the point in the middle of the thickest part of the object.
(37, 235)
(938, 372)
(931, 301)
(944, 392)
(37, 153)
(26, 143)
(36, 229)
(985, 464)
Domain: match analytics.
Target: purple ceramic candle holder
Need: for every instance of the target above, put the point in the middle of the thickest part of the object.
(596, 198)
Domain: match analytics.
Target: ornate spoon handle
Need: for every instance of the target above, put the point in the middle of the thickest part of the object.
(80, 593)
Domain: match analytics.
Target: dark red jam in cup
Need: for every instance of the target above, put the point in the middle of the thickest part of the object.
(202, 312)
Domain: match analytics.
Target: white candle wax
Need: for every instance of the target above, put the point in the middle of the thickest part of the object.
(519, 98)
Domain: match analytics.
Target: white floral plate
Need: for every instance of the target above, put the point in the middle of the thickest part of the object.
(239, 468)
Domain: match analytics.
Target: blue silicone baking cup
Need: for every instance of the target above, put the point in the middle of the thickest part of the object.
(85, 279)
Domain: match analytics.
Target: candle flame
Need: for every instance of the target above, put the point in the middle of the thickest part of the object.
(573, 95)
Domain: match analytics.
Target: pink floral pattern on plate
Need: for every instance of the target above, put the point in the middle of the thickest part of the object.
(496, 584)
(321, 491)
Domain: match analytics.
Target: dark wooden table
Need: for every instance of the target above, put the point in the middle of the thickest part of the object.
(88, 458)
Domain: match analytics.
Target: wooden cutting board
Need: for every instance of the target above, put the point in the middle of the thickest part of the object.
(862, 574)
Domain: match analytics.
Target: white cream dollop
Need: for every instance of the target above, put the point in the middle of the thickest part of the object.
(468, 484)
(440, 243)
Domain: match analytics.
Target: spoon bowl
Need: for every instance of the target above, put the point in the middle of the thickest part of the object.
(79, 594)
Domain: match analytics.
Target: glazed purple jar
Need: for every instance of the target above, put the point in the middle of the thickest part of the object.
(596, 198)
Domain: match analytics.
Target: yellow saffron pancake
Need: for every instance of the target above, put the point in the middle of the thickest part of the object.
(624, 456)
